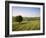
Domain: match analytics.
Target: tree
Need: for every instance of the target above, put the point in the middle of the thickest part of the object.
(18, 19)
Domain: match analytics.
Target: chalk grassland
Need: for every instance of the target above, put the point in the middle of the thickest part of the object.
(28, 23)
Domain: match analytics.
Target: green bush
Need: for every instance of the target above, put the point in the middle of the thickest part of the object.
(18, 18)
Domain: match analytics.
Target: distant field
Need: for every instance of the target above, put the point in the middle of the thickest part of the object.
(26, 25)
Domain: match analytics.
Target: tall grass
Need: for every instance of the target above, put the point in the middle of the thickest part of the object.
(25, 25)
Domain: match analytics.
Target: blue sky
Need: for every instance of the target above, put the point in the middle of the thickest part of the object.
(26, 11)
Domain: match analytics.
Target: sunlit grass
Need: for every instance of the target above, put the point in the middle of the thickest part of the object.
(26, 25)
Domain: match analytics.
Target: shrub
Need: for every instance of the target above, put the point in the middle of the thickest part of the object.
(18, 18)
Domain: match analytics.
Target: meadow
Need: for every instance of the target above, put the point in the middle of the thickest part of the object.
(28, 23)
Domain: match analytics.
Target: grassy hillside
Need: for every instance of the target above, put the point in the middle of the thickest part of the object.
(28, 23)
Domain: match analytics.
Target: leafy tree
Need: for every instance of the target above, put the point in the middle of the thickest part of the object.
(18, 19)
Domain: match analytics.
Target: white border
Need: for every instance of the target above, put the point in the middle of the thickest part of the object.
(25, 32)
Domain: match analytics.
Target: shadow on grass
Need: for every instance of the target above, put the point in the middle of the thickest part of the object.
(23, 23)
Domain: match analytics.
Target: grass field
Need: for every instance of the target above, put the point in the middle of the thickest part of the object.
(26, 25)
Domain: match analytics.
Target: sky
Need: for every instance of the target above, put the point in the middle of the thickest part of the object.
(26, 11)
